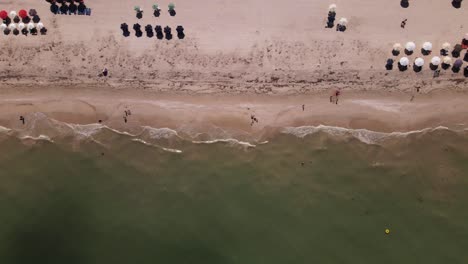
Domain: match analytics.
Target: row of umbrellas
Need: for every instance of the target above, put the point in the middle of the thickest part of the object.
(22, 14)
(23, 28)
(156, 10)
(65, 8)
(426, 48)
(446, 62)
(149, 31)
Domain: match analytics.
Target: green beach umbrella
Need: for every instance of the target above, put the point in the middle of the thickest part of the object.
(137, 8)
(171, 6)
(156, 7)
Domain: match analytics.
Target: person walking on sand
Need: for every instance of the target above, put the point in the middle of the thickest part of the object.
(403, 23)
(22, 119)
(337, 94)
(303, 107)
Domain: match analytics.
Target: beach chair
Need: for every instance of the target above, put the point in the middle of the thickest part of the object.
(88, 11)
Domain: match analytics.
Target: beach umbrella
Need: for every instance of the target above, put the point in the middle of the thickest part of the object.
(137, 8)
(16, 19)
(3, 14)
(156, 7)
(3, 26)
(343, 21)
(31, 26)
(404, 61)
(458, 63)
(447, 60)
(427, 46)
(397, 46)
(40, 25)
(171, 6)
(32, 12)
(36, 19)
(12, 26)
(419, 62)
(21, 26)
(12, 14)
(435, 60)
(446, 46)
(22, 13)
(410, 46)
(332, 8)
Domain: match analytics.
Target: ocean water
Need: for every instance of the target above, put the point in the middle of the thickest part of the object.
(92, 194)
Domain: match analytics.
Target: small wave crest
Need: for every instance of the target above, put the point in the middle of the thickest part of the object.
(363, 135)
(152, 145)
(229, 141)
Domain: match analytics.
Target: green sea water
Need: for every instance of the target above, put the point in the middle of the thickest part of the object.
(317, 199)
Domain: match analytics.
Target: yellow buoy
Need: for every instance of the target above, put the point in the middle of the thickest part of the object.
(387, 231)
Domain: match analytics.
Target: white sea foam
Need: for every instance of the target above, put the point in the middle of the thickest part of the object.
(380, 105)
(38, 138)
(4, 129)
(159, 133)
(230, 141)
(152, 145)
(364, 135)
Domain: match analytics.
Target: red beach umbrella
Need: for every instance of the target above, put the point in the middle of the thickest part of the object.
(3, 14)
(22, 13)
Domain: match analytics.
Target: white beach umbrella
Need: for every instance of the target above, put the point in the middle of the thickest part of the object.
(21, 26)
(31, 25)
(419, 62)
(343, 21)
(3, 26)
(397, 46)
(40, 25)
(332, 8)
(447, 60)
(427, 46)
(446, 46)
(12, 26)
(435, 60)
(410, 46)
(12, 14)
(404, 61)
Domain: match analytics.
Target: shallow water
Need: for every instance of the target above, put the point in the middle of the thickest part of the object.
(111, 197)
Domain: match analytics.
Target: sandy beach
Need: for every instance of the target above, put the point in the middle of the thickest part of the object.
(232, 50)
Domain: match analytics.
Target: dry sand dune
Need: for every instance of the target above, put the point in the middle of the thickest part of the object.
(260, 46)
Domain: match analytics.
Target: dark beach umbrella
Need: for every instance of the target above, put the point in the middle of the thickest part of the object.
(171, 8)
(457, 50)
(7, 21)
(404, 3)
(36, 19)
(457, 65)
(81, 7)
(54, 8)
(24, 31)
(456, 3)
(7, 31)
(180, 32)
(43, 31)
(16, 32)
(125, 30)
(159, 32)
(465, 41)
(64, 8)
(465, 72)
(137, 28)
(149, 31)
(389, 65)
(73, 8)
(167, 31)
(466, 56)
(26, 20)
(32, 12)
(16, 19)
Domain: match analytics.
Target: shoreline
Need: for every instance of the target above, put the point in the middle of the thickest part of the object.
(375, 111)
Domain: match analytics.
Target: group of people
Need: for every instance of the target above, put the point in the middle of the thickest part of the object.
(342, 23)
(69, 7)
(158, 31)
(22, 22)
